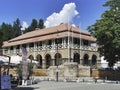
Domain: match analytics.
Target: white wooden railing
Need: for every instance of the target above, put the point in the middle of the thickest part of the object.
(53, 47)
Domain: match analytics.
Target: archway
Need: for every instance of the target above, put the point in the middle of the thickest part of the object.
(39, 59)
(85, 60)
(48, 60)
(58, 59)
(94, 57)
(31, 57)
(76, 58)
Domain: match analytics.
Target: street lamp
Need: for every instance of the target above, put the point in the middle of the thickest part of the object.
(116, 76)
(57, 58)
(116, 56)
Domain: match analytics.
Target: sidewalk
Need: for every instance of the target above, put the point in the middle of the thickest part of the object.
(78, 80)
(53, 85)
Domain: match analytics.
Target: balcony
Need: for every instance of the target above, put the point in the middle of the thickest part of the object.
(53, 47)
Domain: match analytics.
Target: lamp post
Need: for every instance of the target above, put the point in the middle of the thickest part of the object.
(116, 56)
(57, 58)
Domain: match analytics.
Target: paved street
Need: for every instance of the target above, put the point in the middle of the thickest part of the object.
(52, 85)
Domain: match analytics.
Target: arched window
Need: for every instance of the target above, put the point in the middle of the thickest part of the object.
(76, 58)
(31, 57)
(58, 59)
(94, 57)
(85, 60)
(39, 59)
(48, 60)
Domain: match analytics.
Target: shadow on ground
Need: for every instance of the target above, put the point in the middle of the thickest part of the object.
(24, 88)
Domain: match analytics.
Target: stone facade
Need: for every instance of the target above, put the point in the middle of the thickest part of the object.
(53, 48)
(70, 69)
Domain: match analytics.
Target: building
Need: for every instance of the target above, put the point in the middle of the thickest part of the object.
(56, 45)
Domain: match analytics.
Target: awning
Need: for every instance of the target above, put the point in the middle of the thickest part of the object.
(15, 60)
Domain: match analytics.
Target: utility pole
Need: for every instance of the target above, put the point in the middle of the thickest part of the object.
(57, 58)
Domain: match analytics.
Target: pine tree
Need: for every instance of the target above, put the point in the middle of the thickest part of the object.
(41, 24)
(17, 28)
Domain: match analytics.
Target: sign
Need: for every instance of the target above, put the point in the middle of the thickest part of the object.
(5, 82)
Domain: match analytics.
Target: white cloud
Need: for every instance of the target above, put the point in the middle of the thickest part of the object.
(73, 25)
(24, 25)
(66, 15)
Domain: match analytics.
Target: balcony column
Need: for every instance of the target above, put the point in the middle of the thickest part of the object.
(20, 51)
(53, 62)
(8, 51)
(14, 49)
(64, 42)
(53, 42)
(34, 49)
(44, 45)
(35, 46)
(27, 47)
(43, 64)
(3, 50)
(81, 60)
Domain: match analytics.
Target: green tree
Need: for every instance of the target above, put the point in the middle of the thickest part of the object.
(17, 28)
(30, 70)
(1, 40)
(19, 70)
(34, 24)
(41, 24)
(107, 32)
(32, 27)
(6, 32)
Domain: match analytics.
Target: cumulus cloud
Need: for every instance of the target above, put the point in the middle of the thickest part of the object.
(24, 25)
(67, 13)
(73, 25)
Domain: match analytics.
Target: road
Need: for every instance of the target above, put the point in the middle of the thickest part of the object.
(52, 85)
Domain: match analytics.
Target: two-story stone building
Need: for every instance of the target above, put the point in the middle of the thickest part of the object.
(55, 46)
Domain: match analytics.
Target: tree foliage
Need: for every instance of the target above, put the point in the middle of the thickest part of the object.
(107, 32)
(6, 32)
(17, 28)
(19, 70)
(41, 24)
(9, 31)
(32, 26)
(35, 24)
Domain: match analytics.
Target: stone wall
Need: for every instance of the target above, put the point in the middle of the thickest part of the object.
(69, 69)
(84, 71)
(36, 72)
(106, 74)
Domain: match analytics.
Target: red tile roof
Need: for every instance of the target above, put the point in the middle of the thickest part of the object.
(49, 33)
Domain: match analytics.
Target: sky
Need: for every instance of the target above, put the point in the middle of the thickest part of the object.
(76, 12)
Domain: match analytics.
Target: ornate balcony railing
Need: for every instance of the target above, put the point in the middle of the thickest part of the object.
(53, 47)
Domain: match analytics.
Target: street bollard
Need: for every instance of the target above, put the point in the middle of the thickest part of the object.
(83, 80)
(103, 80)
(117, 82)
(95, 79)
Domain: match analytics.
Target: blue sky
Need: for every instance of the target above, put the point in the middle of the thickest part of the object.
(88, 11)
